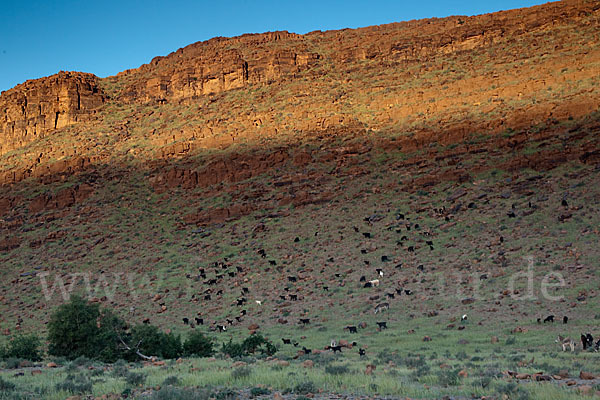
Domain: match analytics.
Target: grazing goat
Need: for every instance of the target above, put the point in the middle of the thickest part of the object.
(411, 249)
(367, 285)
(566, 342)
(186, 321)
(597, 345)
(306, 351)
(374, 282)
(292, 279)
(382, 307)
(367, 235)
(221, 328)
(305, 321)
(199, 321)
(565, 319)
(379, 272)
(335, 348)
(382, 325)
(549, 318)
(362, 279)
(293, 297)
(259, 302)
(286, 341)
(351, 329)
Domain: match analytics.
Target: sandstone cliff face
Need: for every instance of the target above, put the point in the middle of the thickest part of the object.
(218, 65)
(33, 109)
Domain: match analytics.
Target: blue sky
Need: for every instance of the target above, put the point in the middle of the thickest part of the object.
(40, 38)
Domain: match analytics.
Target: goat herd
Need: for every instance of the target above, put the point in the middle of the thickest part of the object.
(587, 340)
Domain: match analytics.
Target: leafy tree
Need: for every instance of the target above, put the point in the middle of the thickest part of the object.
(78, 328)
(23, 347)
(197, 344)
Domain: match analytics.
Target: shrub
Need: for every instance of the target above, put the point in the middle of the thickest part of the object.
(153, 342)
(12, 363)
(78, 328)
(241, 372)
(171, 381)
(305, 388)
(448, 377)
(6, 386)
(259, 391)
(252, 344)
(135, 378)
(76, 384)
(120, 368)
(24, 347)
(197, 344)
(336, 369)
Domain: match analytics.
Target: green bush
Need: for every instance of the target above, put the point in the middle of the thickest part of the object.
(305, 388)
(241, 372)
(78, 328)
(6, 386)
(76, 384)
(153, 342)
(259, 391)
(135, 378)
(336, 369)
(23, 347)
(197, 344)
(252, 344)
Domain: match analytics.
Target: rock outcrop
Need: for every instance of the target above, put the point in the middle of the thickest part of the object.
(31, 110)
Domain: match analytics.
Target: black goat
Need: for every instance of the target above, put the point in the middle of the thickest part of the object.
(335, 348)
(186, 321)
(352, 329)
(549, 318)
(305, 321)
(363, 278)
(292, 279)
(565, 319)
(306, 351)
(382, 325)
(361, 352)
(286, 341)
(199, 321)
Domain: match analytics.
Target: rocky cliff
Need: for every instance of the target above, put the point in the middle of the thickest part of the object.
(35, 108)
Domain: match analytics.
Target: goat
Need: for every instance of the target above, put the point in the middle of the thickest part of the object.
(259, 302)
(390, 295)
(584, 341)
(351, 329)
(385, 259)
(549, 318)
(305, 321)
(367, 235)
(186, 321)
(362, 279)
(565, 319)
(566, 342)
(463, 318)
(286, 341)
(399, 292)
(305, 350)
(361, 352)
(292, 279)
(411, 249)
(382, 325)
(367, 285)
(293, 297)
(272, 262)
(382, 307)
(408, 292)
(335, 348)
(374, 282)
(221, 328)
(199, 321)
(379, 271)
